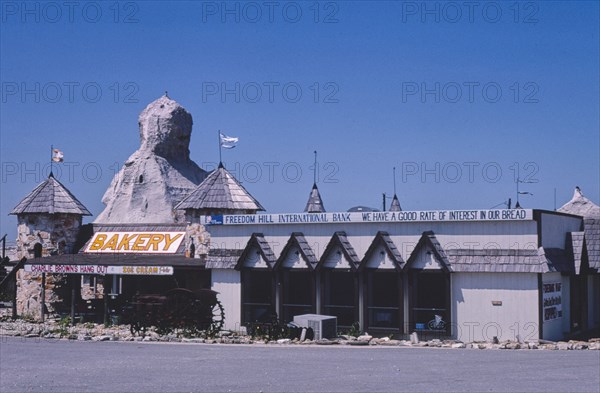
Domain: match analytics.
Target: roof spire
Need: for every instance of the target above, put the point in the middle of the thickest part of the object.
(395, 205)
(315, 203)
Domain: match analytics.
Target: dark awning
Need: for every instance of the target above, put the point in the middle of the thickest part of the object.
(119, 259)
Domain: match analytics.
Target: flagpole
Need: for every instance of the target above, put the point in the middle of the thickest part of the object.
(394, 180)
(219, 135)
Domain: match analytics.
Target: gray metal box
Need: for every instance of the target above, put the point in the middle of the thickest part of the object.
(324, 326)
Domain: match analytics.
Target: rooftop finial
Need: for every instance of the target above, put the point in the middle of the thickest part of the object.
(394, 180)
(166, 94)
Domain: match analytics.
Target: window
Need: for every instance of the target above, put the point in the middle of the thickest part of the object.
(431, 293)
(257, 295)
(340, 297)
(37, 250)
(383, 288)
(297, 293)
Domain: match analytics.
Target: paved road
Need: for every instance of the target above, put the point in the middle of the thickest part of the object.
(35, 365)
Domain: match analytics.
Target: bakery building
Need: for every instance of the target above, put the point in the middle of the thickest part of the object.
(467, 274)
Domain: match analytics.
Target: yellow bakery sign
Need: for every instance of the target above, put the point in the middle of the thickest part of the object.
(135, 242)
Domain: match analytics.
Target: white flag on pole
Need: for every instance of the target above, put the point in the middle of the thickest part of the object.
(57, 155)
(228, 142)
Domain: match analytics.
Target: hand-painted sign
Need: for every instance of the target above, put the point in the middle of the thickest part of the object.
(552, 298)
(141, 270)
(66, 269)
(355, 217)
(135, 242)
(98, 269)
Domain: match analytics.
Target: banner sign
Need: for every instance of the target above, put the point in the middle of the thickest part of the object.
(98, 269)
(66, 269)
(135, 242)
(552, 297)
(141, 270)
(361, 217)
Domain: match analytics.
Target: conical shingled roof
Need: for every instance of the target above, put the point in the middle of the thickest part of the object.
(51, 197)
(220, 191)
(395, 206)
(315, 203)
(580, 206)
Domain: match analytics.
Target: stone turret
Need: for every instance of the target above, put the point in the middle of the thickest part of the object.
(49, 218)
(159, 174)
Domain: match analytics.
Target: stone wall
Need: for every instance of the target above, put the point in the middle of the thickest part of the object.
(88, 290)
(56, 233)
(197, 241)
(29, 294)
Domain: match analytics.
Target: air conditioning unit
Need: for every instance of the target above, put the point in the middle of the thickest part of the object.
(324, 326)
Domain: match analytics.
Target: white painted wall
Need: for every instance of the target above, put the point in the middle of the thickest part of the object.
(426, 259)
(380, 260)
(227, 283)
(476, 319)
(505, 234)
(555, 227)
(254, 259)
(293, 259)
(336, 259)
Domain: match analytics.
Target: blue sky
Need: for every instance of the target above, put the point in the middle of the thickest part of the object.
(459, 100)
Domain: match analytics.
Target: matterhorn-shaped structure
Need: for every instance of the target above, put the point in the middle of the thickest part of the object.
(581, 206)
(159, 174)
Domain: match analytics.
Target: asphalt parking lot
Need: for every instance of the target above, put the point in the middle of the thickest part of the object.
(38, 365)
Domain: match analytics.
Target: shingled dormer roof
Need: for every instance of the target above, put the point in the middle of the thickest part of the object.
(257, 242)
(340, 241)
(298, 241)
(429, 241)
(315, 203)
(220, 191)
(383, 239)
(50, 197)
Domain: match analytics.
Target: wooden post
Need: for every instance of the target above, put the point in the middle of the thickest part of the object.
(106, 281)
(14, 303)
(43, 297)
(73, 292)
